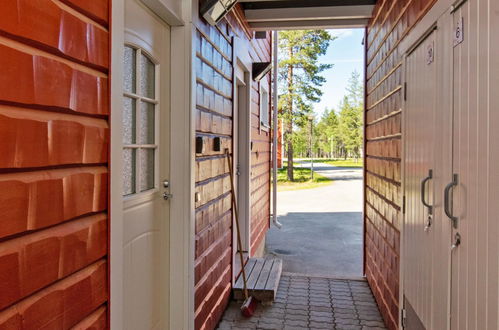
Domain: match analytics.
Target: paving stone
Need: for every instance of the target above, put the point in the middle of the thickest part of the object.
(297, 311)
(303, 303)
(370, 317)
(347, 327)
(296, 323)
(325, 319)
(269, 326)
(317, 303)
(296, 306)
(223, 325)
(320, 314)
(372, 323)
(321, 308)
(347, 321)
(297, 317)
(320, 325)
(345, 315)
(292, 327)
(277, 321)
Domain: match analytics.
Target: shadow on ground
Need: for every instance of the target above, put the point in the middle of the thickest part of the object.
(319, 243)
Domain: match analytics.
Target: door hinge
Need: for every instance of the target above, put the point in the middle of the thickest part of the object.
(403, 204)
(405, 91)
(403, 317)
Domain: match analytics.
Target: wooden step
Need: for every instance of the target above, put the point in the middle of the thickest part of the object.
(263, 279)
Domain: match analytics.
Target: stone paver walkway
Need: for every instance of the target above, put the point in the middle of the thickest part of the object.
(311, 303)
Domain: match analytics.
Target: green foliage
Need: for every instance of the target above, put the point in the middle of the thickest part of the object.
(302, 180)
(339, 134)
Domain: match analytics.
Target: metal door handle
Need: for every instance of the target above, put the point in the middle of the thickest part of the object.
(167, 196)
(423, 191)
(447, 207)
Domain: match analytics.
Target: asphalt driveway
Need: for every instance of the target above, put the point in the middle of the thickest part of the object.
(322, 227)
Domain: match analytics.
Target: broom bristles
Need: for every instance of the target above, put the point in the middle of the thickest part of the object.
(248, 307)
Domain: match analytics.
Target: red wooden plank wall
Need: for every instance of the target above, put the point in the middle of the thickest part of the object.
(54, 107)
(392, 21)
(214, 111)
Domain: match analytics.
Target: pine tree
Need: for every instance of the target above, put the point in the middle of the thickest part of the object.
(299, 80)
(351, 117)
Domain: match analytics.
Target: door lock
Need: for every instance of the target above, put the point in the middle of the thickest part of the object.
(457, 241)
(429, 221)
(166, 195)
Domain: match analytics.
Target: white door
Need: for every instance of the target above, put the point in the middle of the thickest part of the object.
(145, 168)
(473, 201)
(425, 256)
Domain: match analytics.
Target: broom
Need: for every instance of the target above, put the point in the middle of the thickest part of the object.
(250, 303)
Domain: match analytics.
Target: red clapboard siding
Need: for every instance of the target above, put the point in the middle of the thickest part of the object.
(44, 24)
(54, 105)
(213, 117)
(43, 81)
(95, 321)
(97, 10)
(36, 260)
(34, 200)
(392, 20)
(53, 140)
(61, 305)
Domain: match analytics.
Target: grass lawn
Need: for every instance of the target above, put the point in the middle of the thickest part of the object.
(302, 180)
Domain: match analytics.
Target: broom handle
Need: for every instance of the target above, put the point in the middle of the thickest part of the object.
(239, 242)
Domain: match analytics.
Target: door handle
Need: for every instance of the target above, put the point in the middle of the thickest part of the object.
(423, 191)
(447, 207)
(423, 196)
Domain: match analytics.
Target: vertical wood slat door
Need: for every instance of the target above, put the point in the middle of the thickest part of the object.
(475, 262)
(419, 138)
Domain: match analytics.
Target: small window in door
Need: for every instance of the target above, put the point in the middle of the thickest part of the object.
(139, 121)
(264, 108)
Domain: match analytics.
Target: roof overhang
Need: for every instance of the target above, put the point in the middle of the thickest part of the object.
(305, 14)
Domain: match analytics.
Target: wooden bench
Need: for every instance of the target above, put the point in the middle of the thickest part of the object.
(263, 279)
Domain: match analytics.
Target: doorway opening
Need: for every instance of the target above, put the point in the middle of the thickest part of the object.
(320, 177)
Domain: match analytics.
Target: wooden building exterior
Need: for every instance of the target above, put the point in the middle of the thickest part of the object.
(67, 228)
(215, 73)
(391, 23)
(54, 108)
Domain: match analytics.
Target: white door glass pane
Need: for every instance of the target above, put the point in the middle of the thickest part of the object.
(128, 171)
(146, 169)
(129, 70)
(146, 123)
(147, 77)
(129, 120)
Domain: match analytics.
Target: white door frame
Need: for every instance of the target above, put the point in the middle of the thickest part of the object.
(242, 137)
(181, 167)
